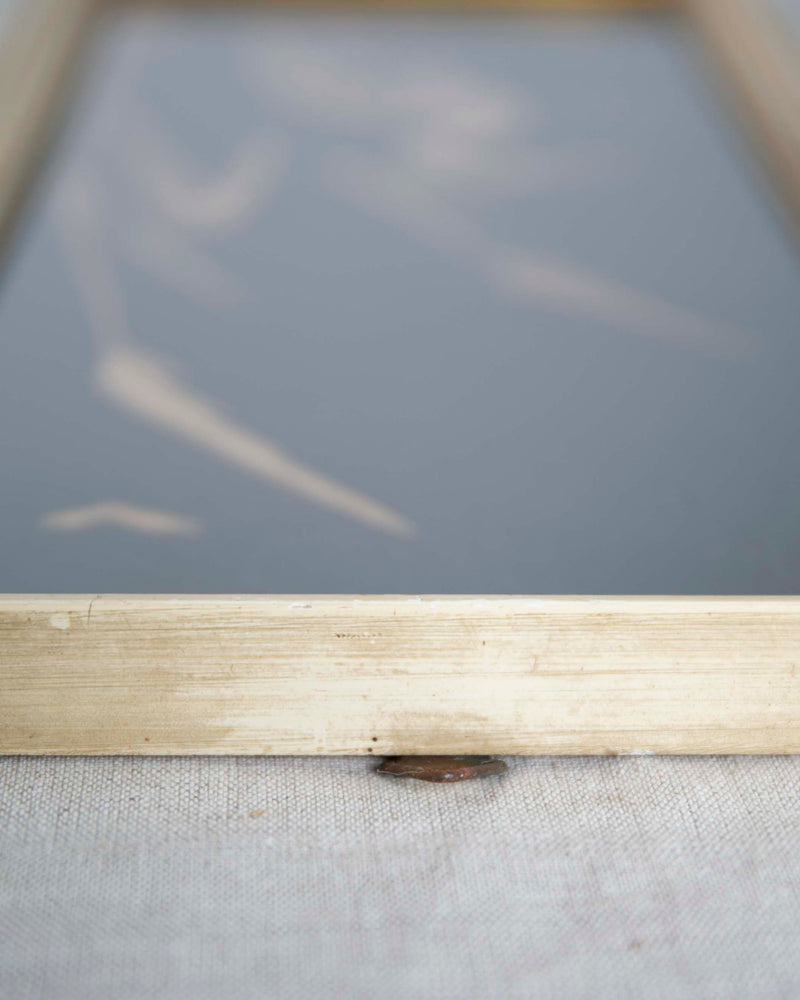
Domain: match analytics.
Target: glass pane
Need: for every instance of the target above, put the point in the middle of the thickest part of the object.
(400, 304)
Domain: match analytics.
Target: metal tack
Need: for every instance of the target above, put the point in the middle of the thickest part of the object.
(442, 769)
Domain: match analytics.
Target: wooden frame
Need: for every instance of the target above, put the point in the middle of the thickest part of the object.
(763, 66)
(343, 675)
(229, 674)
(36, 55)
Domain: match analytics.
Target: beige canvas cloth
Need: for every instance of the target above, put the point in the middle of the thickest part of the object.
(297, 879)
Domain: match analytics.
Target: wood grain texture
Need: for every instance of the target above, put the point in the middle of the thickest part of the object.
(762, 62)
(391, 675)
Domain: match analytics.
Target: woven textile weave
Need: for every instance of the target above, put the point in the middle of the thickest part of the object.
(297, 879)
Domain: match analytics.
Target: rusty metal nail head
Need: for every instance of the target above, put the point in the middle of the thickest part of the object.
(442, 769)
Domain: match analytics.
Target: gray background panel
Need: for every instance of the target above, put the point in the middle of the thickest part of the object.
(515, 281)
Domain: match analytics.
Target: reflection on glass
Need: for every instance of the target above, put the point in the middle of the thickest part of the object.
(472, 294)
(132, 517)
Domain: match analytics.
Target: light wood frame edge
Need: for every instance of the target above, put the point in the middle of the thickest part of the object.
(37, 53)
(352, 675)
(762, 64)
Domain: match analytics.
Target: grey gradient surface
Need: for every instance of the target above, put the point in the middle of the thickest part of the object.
(374, 331)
